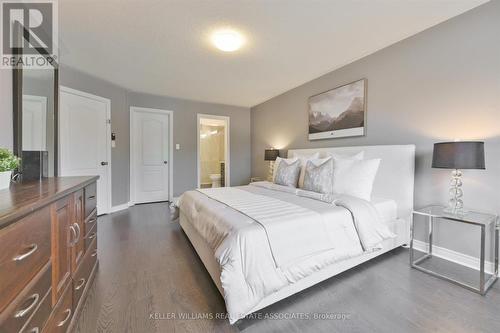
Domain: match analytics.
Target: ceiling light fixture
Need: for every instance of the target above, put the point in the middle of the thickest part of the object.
(227, 40)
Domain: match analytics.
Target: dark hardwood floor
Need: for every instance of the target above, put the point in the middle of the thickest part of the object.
(149, 273)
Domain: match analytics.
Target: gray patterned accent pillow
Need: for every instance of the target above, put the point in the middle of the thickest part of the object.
(319, 176)
(288, 174)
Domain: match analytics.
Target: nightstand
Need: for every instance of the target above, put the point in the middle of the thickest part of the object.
(481, 220)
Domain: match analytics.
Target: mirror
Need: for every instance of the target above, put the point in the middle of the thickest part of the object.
(35, 122)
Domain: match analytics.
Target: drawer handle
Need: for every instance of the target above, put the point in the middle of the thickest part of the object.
(78, 230)
(91, 197)
(81, 284)
(25, 311)
(91, 236)
(72, 241)
(90, 221)
(75, 229)
(61, 323)
(94, 253)
(31, 249)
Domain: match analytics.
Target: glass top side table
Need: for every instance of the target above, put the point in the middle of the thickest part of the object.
(481, 220)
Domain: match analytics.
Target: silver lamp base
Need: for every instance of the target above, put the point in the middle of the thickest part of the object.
(456, 204)
(271, 172)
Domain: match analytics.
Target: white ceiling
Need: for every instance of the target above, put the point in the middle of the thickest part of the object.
(161, 46)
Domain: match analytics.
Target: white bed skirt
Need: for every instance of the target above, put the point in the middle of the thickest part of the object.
(400, 227)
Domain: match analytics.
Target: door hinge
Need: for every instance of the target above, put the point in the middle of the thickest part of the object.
(108, 121)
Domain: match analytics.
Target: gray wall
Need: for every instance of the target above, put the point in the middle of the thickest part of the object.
(441, 84)
(185, 112)
(184, 129)
(71, 78)
(184, 132)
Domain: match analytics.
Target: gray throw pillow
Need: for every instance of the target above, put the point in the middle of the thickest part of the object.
(319, 178)
(288, 174)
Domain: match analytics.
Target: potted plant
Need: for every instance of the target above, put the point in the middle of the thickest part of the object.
(8, 162)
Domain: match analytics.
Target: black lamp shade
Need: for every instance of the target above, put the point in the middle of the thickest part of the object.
(271, 154)
(458, 155)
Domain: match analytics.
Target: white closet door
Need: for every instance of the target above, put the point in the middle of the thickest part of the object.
(150, 156)
(84, 146)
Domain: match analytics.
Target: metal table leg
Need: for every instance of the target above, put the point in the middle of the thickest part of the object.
(482, 258)
(412, 236)
(431, 226)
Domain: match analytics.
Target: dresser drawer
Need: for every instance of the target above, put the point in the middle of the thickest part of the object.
(90, 237)
(36, 323)
(90, 199)
(91, 246)
(63, 312)
(28, 302)
(90, 222)
(24, 250)
(81, 277)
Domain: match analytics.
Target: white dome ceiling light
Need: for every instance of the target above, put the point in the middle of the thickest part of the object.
(228, 40)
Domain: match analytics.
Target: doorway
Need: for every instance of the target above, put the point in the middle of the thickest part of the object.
(85, 140)
(151, 155)
(213, 162)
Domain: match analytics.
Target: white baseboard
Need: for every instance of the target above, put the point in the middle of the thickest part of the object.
(118, 208)
(456, 257)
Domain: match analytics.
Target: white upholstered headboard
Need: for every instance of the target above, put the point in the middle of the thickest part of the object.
(395, 176)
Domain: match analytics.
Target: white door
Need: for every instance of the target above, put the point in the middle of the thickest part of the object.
(85, 140)
(150, 154)
(34, 122)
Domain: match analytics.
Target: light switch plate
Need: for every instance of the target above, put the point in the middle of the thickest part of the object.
(177, 146)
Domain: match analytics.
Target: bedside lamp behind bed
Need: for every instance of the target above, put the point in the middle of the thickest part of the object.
(271, 155)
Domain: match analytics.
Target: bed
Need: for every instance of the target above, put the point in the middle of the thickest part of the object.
(254, 265)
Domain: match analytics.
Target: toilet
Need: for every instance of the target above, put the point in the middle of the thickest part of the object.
(215, 178)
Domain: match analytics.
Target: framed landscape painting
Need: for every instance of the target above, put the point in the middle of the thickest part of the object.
(338, 113)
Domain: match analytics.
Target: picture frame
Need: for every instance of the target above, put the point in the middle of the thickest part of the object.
(339, 112)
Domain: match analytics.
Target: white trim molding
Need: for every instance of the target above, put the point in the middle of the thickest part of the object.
(227, 148)
(453, 256)
(121, 207)
(170, 148)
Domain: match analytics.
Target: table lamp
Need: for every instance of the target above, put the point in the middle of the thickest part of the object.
(271, 155)
(458, 156)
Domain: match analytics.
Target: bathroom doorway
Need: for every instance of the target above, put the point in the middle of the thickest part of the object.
(213, 151)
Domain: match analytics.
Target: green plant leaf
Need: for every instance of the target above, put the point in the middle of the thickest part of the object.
(8, 161)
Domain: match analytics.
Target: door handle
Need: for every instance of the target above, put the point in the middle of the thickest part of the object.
(165, 162)
(104, 163)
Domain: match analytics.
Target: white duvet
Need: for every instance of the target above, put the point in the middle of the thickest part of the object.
(254, 251)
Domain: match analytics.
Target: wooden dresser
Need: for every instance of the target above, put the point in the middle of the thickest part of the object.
(48, 253)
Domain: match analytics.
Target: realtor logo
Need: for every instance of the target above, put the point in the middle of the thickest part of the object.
(29, 34)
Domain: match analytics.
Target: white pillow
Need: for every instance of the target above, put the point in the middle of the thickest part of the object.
(278, 161)
(354, 177)
(306, 157)
(314, 156)
(358, 156)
